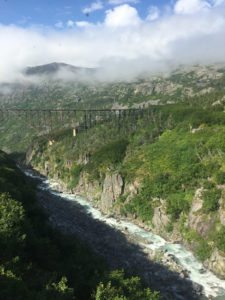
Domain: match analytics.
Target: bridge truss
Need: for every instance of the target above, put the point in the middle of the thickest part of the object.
(78, 119)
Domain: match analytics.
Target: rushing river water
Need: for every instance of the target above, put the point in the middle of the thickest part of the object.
(213, 286)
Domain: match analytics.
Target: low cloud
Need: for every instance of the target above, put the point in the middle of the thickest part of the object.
(118, 2)
(70, 23)
(153, 13)
(98, 5)
(124, 45)
(191, 6)
(59, 25)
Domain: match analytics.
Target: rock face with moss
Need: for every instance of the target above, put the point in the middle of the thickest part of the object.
(199, 221)
(90, 189)
(222, 211)
(112, 190)
(160, 219)
(216, 263)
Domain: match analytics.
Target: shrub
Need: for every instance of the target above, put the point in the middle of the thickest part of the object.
(142, 207)
(109, 156)
(177, 203)
(75, 176)
(211, 200)
(203, 250)
(220, 177)
(12, 222)
(118, 287)
(220, 239)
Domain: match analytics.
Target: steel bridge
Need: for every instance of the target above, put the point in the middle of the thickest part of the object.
(80, 119)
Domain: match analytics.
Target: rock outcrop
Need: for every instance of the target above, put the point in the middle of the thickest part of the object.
(90, 189)
(222, 212)
(216, 263)
(197, 220)
(112, 189)
(160, 218)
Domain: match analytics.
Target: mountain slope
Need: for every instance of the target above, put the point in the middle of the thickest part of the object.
(169, 174)
(197, 85)
(54, 68)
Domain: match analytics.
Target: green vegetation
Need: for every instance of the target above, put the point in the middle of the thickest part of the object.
(37, 262)
(174, 151)
(109, 157)
(120, 288)
(166, 155)
(211, 200)
(220, 177)
(199, 86)
(219, 239)
(200, 245)
(203, 249)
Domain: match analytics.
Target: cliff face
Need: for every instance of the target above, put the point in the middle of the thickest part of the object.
(170, 181)
(216, 263)
(199, 221)
(160, 218)
(90, 189)
(112, 188)
(105, 195)
(222, 212)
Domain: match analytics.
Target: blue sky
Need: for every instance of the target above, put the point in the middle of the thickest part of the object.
(50, 12)
(126, 37)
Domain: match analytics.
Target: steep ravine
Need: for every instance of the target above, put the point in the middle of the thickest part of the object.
(114, 186)
(173, 256)
(105, 195)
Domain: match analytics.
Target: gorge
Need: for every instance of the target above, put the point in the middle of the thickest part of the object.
(149, 244)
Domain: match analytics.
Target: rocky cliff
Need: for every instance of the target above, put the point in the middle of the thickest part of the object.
(168, 175)
(105, 195)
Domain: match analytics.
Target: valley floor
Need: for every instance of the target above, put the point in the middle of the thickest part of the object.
(120, 249)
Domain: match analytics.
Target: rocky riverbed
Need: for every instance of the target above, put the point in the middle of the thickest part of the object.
(124, 245)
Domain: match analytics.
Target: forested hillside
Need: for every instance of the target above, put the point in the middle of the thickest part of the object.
(112, 150)
(37, 262)
(164, 169)
(168, 174)
(197, 86)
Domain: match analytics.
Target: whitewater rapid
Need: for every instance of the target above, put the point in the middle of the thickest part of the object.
(212, 285)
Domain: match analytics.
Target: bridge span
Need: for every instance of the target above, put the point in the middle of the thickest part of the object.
(78, 119)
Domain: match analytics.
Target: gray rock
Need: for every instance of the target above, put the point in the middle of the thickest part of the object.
(112, 189)
(216, 263)
(160, 219)
(222, 212)
(197, 220)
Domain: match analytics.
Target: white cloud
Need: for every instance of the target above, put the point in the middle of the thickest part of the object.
(119, 2)
(59, 25)
(218, 2)
(123, 43)
(122, 16)
(83, 24)
(98, 5)
(70, 23)
(191, 6)
(153, 13)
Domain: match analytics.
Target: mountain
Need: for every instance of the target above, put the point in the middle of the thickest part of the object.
(165, 169)
(198, 84)
(202, 86)
(54, 68)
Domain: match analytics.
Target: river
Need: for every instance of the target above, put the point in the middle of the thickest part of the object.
(213, 287)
